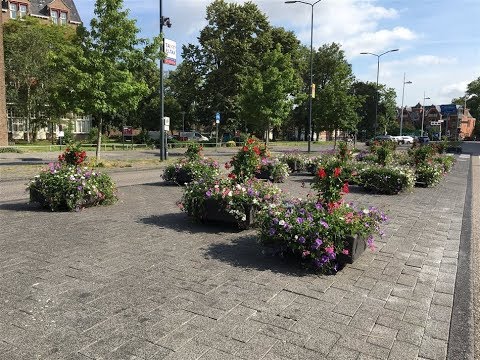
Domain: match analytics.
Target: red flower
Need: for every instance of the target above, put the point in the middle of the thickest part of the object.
(321, 173)
(245, 148)
(232, 176)
(337, 172)
(256, 150)
(250, 141)
(345, 188)
(228, 165)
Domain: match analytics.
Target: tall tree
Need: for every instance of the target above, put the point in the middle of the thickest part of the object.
(105, 86)
(334, 104)
(36, 83)
(267, 96)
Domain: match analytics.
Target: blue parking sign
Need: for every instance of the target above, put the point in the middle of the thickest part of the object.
(217, 117)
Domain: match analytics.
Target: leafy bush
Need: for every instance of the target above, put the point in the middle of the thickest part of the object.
(10, 150)
(421, 154)
(446, 161)
(330, 183)
(73, 155)
(386, 180)
(276, 170)
(247, 161)
(315, 233)
(230, 143)
(67, 187)
(194, 151)
(429, 174)
(185, 171)
(93, 136)
(344, 153)
(294, 160)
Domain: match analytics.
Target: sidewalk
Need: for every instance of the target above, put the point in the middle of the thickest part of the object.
(138, 280)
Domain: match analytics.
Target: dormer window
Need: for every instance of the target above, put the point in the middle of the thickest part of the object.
(17, 10)
(58, 17)
(63, 18)
(54, 16)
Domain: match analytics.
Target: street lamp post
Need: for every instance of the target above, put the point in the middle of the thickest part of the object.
(423, 112)
(164, 21)
(401, 110)
(376, 89)
(183, 120)
(309, 132)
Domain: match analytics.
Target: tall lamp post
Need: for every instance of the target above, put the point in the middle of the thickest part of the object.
(376, 89)
(164, 21)
(309, 132)
(401, 113)
(423, 112)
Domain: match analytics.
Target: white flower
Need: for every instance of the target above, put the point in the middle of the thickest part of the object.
(230, 193)
(244, 218)
(216, 186)
(366, 211)
(281, 222)
(296, 237)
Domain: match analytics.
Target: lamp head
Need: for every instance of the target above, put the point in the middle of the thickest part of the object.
(408, 82)
(290, 2)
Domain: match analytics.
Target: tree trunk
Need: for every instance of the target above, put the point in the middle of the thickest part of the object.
(28, 114)
(99, 139)
(335, 139)
(267, 138)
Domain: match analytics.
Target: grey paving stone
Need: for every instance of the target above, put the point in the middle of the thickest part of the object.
(322, 341)
(442, 299)
(360, 345)
(291, 351)
(437, 329)
(348, 306)
(403, 351)
(433, 348)
(382, 336)
(338, 353)
(415, 316)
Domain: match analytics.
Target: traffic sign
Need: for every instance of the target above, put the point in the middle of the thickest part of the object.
(217, 118)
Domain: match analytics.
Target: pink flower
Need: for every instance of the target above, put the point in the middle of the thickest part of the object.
(345, 252)
(329, 250)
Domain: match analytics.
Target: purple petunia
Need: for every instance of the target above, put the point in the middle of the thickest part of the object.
(317, 244)
(301, 240)
(324, 224)
(299, 220)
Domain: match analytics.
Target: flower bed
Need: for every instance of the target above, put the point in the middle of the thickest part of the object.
(185, 171)
(296, 162)
(273, 170)
(318, 235)
(207, 201)
(428, 174)
(67, 186)
(386, 180)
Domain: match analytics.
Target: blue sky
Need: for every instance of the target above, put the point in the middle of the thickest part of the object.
(438, 39)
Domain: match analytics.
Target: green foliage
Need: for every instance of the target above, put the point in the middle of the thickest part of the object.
(194, 151)
(10, 150)
(386, 180)
(68, 136)
(429, 174)
(294, 160)
(73, 155)
(421, 154)
(230, 143)
(273, 169)
(247, 161)
(330, 183)
(67, 187)
(446, 161)
(36, 81)
(188, 170)
(93, 136)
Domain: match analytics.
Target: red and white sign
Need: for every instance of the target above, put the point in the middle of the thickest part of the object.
(170, 49)
(127, 131)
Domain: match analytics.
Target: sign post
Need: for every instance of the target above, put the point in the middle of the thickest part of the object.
(217, 122)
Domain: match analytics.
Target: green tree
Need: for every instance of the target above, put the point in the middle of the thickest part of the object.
(267, 97)
(36, 82)
(334, 105)
(105, 86)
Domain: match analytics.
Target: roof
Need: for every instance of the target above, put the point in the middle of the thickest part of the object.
(40, 8)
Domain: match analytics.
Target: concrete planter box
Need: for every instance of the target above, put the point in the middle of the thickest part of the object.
(215, 212)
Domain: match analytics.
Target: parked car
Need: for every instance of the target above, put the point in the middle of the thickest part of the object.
(407, 140)
(380, 138)
(398, 139)
(423, 139)
(192, 136)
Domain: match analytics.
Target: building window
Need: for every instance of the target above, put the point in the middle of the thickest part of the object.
(63, 18)
(13, 11)
(82, 125)
(22, 9)
(54, 16)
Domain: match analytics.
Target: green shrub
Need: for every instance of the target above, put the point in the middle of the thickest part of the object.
(421, 154)
(429, 174)
(10, 150)
(446, 161)
(93, 136)
(386, 180)
(230, 143)
(294, 160)
(185, 171)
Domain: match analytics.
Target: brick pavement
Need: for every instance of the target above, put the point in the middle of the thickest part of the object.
(137, 280)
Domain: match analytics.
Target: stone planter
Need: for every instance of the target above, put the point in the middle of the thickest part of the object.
(215, 212)
(37, 197)
(263, 175)
(183, 177)
(356, 246)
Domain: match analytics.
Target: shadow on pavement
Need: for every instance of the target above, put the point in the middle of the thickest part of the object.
(22, 206)
(247, 253)
(182, 223)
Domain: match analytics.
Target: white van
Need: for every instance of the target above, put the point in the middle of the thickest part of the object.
(192, 136)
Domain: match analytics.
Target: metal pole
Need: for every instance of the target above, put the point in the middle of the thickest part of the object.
(163, 155)
(401, 109)
(183, 120)
(309, 132)
(376, 96)
(423, 113)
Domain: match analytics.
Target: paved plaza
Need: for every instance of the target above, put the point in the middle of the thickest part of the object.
(139, 280)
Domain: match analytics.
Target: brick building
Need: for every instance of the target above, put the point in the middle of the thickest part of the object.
(58, 12)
